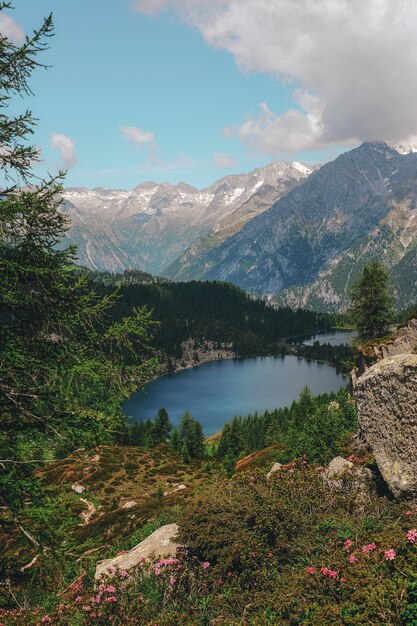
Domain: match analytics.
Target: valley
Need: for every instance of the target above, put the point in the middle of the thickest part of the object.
(293, 234)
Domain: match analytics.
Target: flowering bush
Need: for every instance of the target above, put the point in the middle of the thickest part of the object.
(261, 552)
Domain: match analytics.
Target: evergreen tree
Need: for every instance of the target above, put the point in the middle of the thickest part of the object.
(162, 427)
(372, 302)
(191, 434)
(175, 440)
(64, 367)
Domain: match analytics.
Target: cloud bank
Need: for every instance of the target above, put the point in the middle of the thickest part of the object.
(351, 65)
(66, 147)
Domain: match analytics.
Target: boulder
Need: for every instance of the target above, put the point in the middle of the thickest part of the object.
(160, 544)
(345, 475)
(275, 468)
(78, 488)
(177, 488)
(129, 504)
(338, 467)
(386, 397)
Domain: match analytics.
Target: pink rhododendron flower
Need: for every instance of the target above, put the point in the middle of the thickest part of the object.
(328, 572)
(123, 574)
(412, 535)
(369, 547)
(343, 580)
(352, 558)
(347, 545)
(110, 589)
(390, 554)
(46, 618)
(310, 570)
(408, 513)
(206, 565)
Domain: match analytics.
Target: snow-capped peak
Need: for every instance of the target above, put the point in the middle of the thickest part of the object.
(401, 149)
(303, 169)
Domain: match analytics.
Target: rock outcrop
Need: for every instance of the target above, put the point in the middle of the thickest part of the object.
(160, 544)
(386, 397)
(345, 475)
(275, 468)
(403, 341)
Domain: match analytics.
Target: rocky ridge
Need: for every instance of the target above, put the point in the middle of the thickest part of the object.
(149, 226)
(306, 250)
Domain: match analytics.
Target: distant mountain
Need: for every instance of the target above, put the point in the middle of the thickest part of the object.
(152, 225)
(309, 246)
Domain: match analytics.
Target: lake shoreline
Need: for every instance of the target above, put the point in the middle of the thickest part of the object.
(233, 386)
(206, 352)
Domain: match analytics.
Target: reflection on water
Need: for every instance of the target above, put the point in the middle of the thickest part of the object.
(333, 337)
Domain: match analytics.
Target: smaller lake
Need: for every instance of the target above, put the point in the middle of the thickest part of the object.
(214, 392)
(333, 337)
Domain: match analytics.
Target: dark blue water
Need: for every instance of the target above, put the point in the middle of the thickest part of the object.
(333, 337)
(215, 392)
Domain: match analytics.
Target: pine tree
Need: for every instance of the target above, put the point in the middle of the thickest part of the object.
(64, 368)
(191, 434)
(372, 302)
(162, 427)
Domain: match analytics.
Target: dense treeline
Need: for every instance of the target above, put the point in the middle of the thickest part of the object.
(342, 357)
(187, 439)
(313, 426)
(213, 311)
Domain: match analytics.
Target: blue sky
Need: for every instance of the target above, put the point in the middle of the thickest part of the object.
(159, 94)
(112, 68)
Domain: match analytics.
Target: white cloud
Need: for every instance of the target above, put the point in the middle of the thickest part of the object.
(223, 160)
(277, 135)
(9, 28)
(66, 147)
(138, 136)
(354, 64)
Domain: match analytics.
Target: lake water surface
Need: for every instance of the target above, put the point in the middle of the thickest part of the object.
(215, 392)
(333, 337)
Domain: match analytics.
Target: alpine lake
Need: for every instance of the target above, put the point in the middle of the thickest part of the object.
(215, 392)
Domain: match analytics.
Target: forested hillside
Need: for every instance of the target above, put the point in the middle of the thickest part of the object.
(214, 311)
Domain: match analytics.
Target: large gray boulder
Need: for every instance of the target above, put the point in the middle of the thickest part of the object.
(160, 544)
(386, 397)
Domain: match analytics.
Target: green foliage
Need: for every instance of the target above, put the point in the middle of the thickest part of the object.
(65, 363)
(315, 427)
(285, 550)
(372, 303)
(213, 311)
(149, 433)
(188, 438)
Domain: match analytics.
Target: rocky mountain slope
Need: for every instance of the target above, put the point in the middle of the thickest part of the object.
(308, 247)
(151, 225)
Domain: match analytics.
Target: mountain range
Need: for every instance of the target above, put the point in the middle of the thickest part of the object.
(295, 234)
(149, 226)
